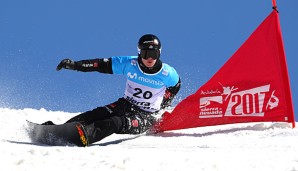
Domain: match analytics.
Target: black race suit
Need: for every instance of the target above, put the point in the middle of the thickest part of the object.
(122, 116)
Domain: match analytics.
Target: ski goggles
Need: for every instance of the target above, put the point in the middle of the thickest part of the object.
(151, 53)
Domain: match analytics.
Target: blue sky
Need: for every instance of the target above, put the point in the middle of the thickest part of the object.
(198, 37)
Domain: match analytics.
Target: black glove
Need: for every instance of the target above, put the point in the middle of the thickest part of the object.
(67, 64)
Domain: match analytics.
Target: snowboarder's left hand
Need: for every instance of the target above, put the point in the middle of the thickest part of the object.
(66, 64)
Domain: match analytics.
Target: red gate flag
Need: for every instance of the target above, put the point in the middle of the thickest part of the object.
(252, 86)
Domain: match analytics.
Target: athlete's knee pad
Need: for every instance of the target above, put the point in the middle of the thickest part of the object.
(136, 124)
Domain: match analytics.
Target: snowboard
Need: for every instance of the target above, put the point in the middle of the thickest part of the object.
(58, 135)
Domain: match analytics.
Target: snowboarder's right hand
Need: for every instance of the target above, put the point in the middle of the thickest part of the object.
(66, 64)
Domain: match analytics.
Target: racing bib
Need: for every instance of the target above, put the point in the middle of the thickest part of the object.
(144, 90)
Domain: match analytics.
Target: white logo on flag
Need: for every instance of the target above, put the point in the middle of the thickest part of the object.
(249, 102)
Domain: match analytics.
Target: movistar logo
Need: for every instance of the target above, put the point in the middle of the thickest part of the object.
(132, 76)
(144, 79)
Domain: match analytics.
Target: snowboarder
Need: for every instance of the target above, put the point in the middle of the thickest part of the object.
(150, 87)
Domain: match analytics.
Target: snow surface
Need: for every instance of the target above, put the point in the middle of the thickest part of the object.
(251, 146)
